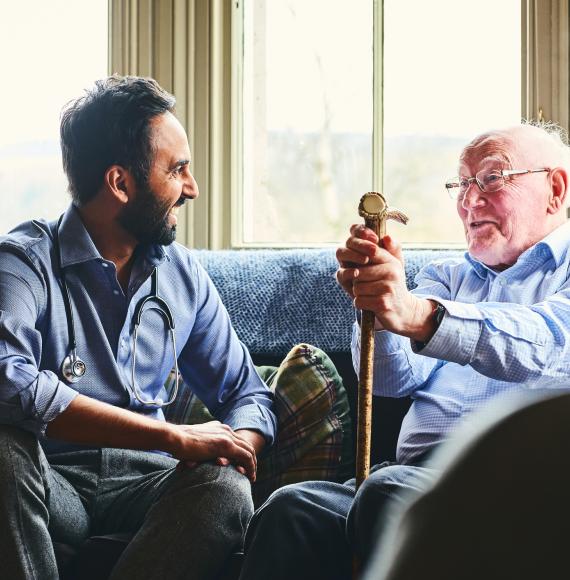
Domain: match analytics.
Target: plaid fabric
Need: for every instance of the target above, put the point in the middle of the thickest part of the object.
(314, 437)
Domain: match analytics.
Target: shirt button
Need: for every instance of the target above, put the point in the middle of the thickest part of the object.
(104, 264)
(116, 292)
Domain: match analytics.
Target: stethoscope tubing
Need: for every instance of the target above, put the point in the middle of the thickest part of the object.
(73, 368)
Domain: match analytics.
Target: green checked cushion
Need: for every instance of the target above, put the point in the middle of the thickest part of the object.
(314, 437)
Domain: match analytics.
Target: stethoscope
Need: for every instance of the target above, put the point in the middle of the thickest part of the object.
(73, 368)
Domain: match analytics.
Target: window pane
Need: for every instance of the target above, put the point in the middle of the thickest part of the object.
(451, 71)
(307, 137)
(51, 51)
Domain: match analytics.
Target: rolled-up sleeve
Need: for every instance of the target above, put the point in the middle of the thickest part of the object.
(29, 398)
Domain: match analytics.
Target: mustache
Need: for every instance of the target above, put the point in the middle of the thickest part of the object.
(181, 201)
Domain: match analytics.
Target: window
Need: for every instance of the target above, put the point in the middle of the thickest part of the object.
(56, 49)
(323, 122)
(307, 118)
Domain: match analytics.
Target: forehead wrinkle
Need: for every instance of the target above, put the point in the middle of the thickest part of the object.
(489, 146)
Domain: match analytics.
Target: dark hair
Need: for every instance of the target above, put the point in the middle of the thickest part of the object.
(110, 125)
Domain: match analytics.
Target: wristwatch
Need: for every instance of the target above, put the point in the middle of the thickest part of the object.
(437, 313)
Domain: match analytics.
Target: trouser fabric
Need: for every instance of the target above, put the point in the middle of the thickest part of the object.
(311, 530)
(186, 522)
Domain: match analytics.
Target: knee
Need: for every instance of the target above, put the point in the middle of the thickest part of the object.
(374, 491)
(303, 508)
(289, 501)
(233, 493)
(285, 499)
(223, 493)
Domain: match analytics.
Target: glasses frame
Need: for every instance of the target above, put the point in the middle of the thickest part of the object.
(453, 185)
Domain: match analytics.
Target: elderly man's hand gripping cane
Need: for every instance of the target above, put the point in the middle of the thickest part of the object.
(374, 209)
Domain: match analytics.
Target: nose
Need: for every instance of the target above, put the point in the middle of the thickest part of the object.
(190, 188)
(473, 196)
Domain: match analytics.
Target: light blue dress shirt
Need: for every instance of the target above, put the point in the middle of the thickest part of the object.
(34, 337)
(503, 332)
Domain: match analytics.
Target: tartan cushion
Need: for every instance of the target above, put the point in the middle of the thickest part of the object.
(314, 437)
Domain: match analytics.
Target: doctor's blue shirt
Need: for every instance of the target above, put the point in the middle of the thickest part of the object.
(502, 332)
(34, 337)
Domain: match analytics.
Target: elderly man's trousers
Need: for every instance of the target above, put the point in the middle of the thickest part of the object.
(186, 522)
(313, 530)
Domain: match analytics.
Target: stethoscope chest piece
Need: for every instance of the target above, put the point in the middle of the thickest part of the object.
(72, 368)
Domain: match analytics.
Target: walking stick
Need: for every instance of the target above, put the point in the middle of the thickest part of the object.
(375, 211)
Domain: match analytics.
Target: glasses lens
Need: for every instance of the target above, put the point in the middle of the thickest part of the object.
(490, 181)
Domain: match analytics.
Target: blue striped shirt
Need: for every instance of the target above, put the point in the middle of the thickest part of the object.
(34, 337)
(503, 332)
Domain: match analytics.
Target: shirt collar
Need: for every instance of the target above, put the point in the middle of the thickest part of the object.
(76, 245)
(554, 245)
(557, 243)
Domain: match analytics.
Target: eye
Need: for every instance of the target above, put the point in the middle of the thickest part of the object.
(492, 178)
(463, 183)
(178, 170)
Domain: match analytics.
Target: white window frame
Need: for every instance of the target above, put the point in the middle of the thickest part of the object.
(193, 49)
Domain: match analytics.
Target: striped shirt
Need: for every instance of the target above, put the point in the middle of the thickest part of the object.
(34, 337)
(502, 332)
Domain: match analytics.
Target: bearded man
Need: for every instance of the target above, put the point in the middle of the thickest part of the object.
(95, 310)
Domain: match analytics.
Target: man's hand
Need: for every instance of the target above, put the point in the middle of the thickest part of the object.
(214, 441)
(256, 439)
(375, 278)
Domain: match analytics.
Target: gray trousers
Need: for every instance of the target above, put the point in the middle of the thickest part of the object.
(187, 523)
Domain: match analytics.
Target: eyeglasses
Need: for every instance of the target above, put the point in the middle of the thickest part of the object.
(488, 181)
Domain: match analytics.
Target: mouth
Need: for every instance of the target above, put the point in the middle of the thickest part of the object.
(174, 209)
(474, 225)
(173, 213)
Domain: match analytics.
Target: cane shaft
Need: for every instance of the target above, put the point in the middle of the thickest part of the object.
(365, 378)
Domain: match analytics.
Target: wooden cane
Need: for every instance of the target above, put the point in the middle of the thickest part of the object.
(375, 211)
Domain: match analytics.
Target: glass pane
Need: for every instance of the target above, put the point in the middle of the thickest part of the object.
(307, 138)
(451, 71)
(51, 51)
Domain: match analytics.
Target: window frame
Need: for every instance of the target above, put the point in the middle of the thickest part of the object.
(193, 49)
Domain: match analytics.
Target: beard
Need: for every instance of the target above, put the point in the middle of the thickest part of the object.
(146, 218)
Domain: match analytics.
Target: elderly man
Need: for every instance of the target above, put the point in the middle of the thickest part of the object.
(494, 323)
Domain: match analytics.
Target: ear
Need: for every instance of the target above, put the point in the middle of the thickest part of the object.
(558, 190)
(119, 182)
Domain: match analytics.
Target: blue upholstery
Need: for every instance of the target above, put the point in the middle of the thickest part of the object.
(279, 298)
